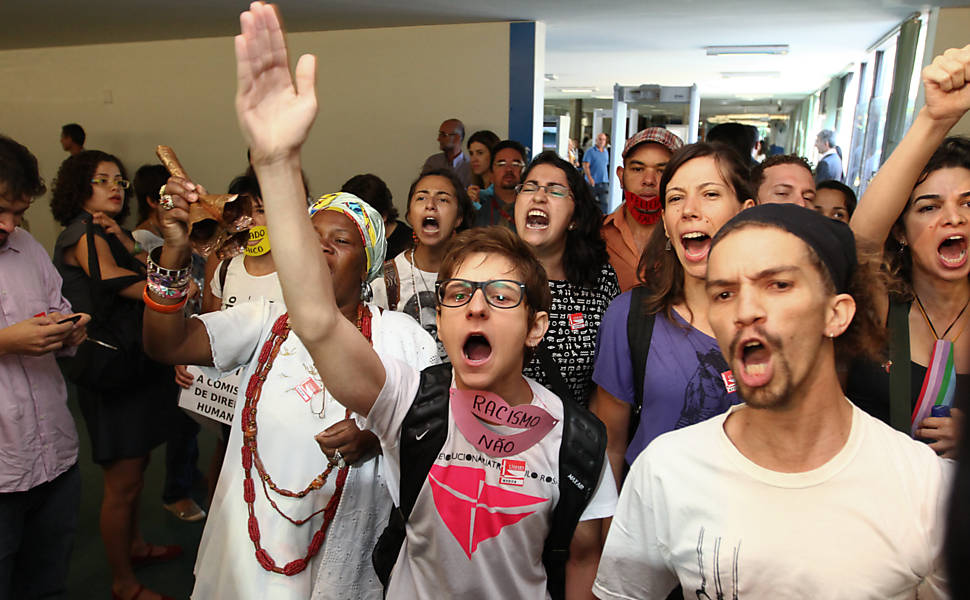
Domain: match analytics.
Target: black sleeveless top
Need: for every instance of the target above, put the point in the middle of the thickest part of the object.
(868, 385)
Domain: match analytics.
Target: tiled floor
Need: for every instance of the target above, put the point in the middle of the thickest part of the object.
(89, 577)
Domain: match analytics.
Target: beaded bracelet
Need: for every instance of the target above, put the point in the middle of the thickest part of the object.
(165, 281)
(170, 277)
(162, 308)
(168, 292)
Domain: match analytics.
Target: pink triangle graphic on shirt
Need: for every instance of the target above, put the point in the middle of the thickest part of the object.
(473, 510)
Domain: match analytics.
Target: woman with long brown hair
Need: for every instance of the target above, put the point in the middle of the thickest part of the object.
(684, 377)
(917, 205)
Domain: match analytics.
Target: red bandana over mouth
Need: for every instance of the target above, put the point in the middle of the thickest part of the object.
(644, 209)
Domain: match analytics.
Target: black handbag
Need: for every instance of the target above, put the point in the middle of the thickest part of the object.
(111, 358)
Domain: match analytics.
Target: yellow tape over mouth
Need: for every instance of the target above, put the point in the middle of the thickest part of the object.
(258, 241)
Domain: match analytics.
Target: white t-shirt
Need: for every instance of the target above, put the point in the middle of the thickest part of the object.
(470, 535)
(416, 295)
(226, 566)
(866, 524)
(243, 287)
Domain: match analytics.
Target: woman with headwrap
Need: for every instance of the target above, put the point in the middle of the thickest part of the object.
(286, 521)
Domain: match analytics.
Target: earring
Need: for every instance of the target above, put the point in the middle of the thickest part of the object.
(572, 227)
(667, 246)
(414, 239)
(366, 293)
(902, 248)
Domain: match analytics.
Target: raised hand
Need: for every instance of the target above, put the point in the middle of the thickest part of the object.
(275, 110)
(174, 222)
(945, 82)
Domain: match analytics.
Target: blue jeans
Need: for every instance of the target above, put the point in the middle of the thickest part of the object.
(601, 191)
(37, 529)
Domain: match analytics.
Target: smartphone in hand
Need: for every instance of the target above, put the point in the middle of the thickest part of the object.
(72, 320)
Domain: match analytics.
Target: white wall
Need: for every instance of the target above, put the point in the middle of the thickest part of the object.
(952, 31)
(382, 94)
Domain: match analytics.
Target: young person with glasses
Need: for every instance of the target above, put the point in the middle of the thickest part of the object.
(557, 217)
(450, 547)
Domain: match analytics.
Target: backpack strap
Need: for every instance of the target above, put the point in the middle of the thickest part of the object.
(423, 434)
(639, 331)
(900, 390)
(581, 456)
(392, 283)
(223, 271)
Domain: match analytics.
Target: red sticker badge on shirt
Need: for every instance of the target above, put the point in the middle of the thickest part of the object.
(513, 472)
(729, 383)
(308, 389)
(577, 321)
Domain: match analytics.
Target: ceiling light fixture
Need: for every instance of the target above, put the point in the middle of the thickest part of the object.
(755, 49)
(748, 74)
(577, 90)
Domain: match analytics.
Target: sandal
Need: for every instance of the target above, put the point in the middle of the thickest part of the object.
(151, 558)
(138, 592)
(186, 509)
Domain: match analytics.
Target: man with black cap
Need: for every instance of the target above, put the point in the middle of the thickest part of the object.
(627, 229)
(796, 493)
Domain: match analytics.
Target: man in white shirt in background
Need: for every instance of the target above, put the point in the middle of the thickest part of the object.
(797, 493)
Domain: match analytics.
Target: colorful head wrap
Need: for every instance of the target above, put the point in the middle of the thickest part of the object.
(369, 223)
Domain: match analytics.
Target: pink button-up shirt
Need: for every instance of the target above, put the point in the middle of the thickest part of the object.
(38, 439)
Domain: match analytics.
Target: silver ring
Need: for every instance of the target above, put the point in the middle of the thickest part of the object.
(339, 459)
(167, 202)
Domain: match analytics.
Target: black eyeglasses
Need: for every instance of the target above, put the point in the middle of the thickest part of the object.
(500, 293)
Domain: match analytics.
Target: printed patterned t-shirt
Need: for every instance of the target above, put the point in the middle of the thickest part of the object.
(479, 523)
(686, 378)
(574, 319)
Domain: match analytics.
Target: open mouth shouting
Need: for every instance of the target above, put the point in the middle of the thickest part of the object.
(430, 225)
(756, 366)
(953, 251)
(696, 245)
(477, 349)
(537, 219)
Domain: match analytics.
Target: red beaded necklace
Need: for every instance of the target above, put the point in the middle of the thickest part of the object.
(250, 455)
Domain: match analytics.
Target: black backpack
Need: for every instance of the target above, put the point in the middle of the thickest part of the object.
(639, 331)
(423, 434)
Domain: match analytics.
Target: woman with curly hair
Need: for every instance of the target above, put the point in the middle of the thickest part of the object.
(917, 205)
(556, 215)
(103, 275)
